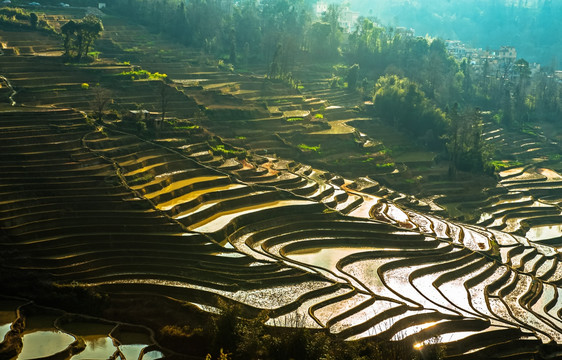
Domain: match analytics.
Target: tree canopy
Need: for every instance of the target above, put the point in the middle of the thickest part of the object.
(405, 105)
(79, 36)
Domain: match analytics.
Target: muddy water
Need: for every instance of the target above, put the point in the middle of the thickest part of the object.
(220, 220)
(194, 194)
(326, 258)
(41, 339)
(132, 352)
(544, 232)
(152, 355)
(97, 347)
(511, 172)
(7, 316)
(182, 183)
(402, 334)
(132, 344)
(98, 344)
(4, 330)
(44, 343)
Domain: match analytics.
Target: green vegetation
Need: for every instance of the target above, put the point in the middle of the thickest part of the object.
(386, 151)
(79, 36)
(433, 105)
(415, 80)
(466, 148)
(20, 18)
(141, 179)
(405, 106)
(498, 165)
(142, 75)
(233, 337)
(94, 55)
(309, 148)
(186, 127)
(527, 25)
(386, 165)
(224, 151)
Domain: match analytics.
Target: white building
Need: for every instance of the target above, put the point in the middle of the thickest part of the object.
(507, 54)
(407, 32)
(320, 8)
(347, 19)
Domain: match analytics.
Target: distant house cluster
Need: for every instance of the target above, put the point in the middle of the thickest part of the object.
(497, 61)
(347, 20)
(406, 32)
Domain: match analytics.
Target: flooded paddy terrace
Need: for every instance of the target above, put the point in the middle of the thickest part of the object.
(128, 216)
(266, 234)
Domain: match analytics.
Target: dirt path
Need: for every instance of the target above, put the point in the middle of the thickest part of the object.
(9, 85)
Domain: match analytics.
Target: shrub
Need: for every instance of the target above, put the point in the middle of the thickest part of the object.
(142, 74)
(222, 150)
(386, 165)
(16, 17)
(225, 66)
(85, 86)
(498, 165)
(94, 54)
(309, 148)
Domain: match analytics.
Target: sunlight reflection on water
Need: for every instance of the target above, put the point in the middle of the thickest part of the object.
(44, 343)
(544, 232)
(97, 348)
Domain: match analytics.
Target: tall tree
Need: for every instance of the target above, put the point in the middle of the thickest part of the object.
(68, 31)
(79, 36)
(101, 97)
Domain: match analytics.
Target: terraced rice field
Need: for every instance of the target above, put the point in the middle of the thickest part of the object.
(52, 333)
(102, 208)
(129, 216)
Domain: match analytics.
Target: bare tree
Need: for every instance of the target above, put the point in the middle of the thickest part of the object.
(164, 99)
(101, 97)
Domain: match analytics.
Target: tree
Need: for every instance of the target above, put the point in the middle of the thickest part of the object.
(524, 74)
(352, 76)
(89, 30)
(403, 102)
(275, 70)
(79, 36)
(454, 140)
(68, 31)
(467, 85)
(318, 38)
(467, 150)
(164, 99)
(332, 17)
(33, 20)
(101, 97)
